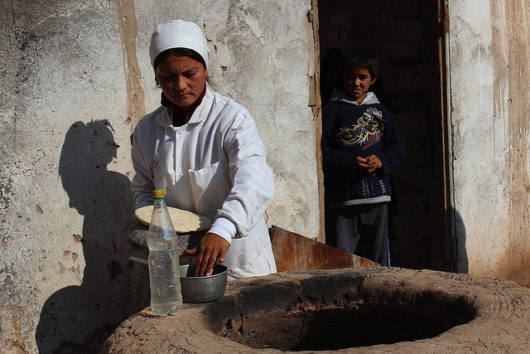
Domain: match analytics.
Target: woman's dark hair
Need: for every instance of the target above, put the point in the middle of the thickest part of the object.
(186, 52)
(361, 58)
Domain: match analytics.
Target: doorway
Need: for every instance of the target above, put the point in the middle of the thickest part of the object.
(407, 37)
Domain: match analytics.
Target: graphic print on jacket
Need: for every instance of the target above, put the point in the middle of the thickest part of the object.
(365, 132)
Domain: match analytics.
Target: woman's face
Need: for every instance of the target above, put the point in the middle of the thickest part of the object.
(181, 78)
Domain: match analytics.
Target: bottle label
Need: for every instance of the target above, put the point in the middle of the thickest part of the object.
(159, 194)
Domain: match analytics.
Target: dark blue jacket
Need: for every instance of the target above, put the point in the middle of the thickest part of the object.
(351, 130)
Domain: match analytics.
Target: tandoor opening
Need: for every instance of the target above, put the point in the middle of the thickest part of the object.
(334, 329)
(340, 317)
(408, 40)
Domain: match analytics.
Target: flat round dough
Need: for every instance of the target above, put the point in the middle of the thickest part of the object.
(183, 220)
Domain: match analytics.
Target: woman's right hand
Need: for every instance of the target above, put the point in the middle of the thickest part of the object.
(211, 249)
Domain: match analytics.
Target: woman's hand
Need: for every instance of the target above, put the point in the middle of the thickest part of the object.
(212, 249)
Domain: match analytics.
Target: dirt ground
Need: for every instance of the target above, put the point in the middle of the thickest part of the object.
(423, 311)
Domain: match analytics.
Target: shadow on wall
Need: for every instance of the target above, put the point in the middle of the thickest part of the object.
(79, 318)
(450, 256)
(462, 265)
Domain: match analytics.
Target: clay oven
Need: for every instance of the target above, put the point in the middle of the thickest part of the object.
(342, 309)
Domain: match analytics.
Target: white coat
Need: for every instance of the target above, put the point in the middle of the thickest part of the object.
(214, 165)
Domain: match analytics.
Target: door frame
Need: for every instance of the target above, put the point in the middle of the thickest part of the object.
(443, 239)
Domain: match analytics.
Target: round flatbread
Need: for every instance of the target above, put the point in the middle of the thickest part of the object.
(183, 220)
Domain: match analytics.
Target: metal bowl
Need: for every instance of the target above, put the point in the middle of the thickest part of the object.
(202, 289)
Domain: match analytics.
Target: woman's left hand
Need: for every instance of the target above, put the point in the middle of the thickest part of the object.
(212, 249)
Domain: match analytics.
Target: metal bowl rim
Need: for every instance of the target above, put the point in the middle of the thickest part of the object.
(220, 274)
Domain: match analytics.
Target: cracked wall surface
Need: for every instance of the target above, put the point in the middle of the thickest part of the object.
(489, 106)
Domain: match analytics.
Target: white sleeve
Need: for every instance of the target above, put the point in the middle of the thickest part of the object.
(142, 184)
(252, 179)
(224, 228)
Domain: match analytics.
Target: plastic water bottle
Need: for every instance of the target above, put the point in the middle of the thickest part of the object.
(164, 275)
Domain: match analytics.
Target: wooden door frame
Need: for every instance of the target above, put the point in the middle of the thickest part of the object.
(444, 241)
(448, 217)
(315, 102)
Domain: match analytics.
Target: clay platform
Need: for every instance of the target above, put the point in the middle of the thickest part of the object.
(350, 309)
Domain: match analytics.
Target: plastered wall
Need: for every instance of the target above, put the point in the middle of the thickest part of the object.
(489, 51)
(75, 78)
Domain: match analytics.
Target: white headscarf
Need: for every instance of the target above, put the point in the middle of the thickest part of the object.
(178, 34)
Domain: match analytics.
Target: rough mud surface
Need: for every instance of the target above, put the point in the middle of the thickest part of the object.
(352, 310)
(521, 277)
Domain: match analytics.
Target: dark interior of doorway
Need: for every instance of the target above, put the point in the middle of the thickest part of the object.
(406, 37)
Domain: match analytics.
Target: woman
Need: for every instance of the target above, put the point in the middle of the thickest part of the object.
(204, 149)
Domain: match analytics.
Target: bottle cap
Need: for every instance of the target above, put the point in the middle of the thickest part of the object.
(159, 193)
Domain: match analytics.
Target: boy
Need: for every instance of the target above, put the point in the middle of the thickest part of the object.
(361, 146)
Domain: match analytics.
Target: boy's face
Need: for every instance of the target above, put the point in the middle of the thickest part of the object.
(357, 81)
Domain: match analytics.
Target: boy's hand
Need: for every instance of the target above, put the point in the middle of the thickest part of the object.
(212, 249)
(369, 164)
